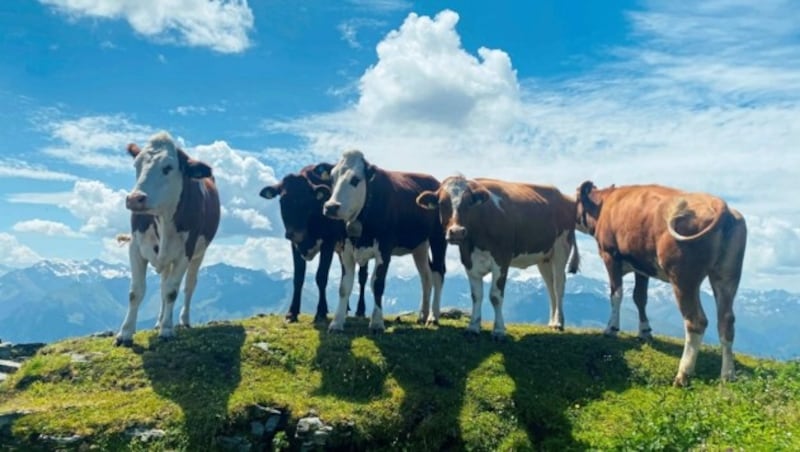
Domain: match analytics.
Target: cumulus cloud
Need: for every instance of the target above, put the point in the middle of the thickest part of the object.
(221, 25)
(15, 254)
(95, 141)
(18, 169)
(190, 110)
(46, 227)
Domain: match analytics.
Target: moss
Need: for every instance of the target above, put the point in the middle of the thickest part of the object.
(410, 388)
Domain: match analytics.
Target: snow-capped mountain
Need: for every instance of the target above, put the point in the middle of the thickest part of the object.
(52, 300)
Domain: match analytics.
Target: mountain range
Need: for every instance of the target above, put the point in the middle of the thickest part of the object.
(52, 300)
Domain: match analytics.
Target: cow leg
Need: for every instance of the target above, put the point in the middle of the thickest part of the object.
(325, 258)
(170, 283)
(135, 296)
(724, 280)
(546, 270)
(438, 250)
(420, 254)
(476, 289)
(640, 298)
(614, 269)
(188, 289)
(361, 307)
(345, 287)
(499, 275)
(555, 277)
(297, 285)
(695, 323)
(378, 284)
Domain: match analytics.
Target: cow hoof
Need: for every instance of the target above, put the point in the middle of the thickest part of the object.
(557, 327)
(335, 328)
(432, 322)
(611, 332)
(681, 381)
(361, 314)
(290, 318)
(498, 337)
(320, 318)
(120, 342)
(184, 326)
(646, 338)
(376, 331)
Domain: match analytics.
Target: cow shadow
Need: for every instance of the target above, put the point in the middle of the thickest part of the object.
(198, 370)
(549, 374)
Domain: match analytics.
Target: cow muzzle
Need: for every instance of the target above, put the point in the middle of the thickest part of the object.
(136, 201)
(331, 209)
(456, 234)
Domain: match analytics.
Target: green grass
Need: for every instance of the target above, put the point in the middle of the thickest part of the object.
(411, 388)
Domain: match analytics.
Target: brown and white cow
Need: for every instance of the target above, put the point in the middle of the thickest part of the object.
(311, 233)
(175, 213)
(383, 220)
(498, 225)
(675, 236)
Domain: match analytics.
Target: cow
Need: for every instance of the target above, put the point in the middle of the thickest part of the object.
(497, 225)
(677, 237)
(383, 220)
(175, 212)
(310, 233)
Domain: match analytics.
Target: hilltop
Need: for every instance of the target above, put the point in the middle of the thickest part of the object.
(248, 384)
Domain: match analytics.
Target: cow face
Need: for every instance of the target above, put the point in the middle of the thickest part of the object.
(161, 169)
(349, 178)
(300, 201)
(587, 207)
(456, 199)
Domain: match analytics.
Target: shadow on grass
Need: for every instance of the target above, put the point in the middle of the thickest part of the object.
(455, 386)
(199, 370)
(708, 363)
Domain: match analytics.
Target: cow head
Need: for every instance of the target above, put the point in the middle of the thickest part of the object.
(301, 197)
(349, 178)
(161, 170)
(456, 199)
(590, 201)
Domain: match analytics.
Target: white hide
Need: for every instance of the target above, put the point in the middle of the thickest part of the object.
(350, 196)
(158, 175)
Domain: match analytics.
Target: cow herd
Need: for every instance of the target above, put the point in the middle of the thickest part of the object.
(362, 212)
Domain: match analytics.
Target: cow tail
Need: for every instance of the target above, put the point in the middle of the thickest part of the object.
(681, 209)
(122, 239)
(575, 256)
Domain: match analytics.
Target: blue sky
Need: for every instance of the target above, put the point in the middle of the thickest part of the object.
(700, 95)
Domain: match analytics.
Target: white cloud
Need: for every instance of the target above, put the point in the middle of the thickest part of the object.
(15, 254)
(190, 110)
(383, 6)
(349, 29)
(101, 208)
(95, 141)
(23, 170)
(46, 227)
(706, 100)
(221, 25)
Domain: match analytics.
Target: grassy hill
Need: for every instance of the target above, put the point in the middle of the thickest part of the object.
(256, 383)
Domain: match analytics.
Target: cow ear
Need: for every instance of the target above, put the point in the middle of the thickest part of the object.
(428, 200)
(369, 171)
(322, 192)
(323, 171)
(133, 150)
(480, 196)
(270, 191)
(197, 170)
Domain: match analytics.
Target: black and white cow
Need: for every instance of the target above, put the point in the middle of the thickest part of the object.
(175, 213)
(311, 233)
(383, 219)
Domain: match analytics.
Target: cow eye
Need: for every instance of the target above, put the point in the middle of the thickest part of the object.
(166, 169)
(354, 181)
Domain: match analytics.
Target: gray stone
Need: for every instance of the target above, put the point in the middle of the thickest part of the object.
(61, 440)
(263, 346)
(145, 434)
(107, 333)
(257, 429)
(8, 366)
(78, 358)
(311, 431)
(11, 416)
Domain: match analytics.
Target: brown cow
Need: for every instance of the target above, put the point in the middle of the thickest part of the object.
(498, 225)
(674, 236)
(175, 213)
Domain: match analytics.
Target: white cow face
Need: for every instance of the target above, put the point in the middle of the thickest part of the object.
(160, 172)
(349, 179)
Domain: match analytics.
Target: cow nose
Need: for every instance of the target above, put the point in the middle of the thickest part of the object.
(331, 209)
(136, 200)
(456, 234)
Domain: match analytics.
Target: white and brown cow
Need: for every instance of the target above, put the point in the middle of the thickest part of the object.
(675, 236)
(383, 220)
(498, 225)
(175, 213)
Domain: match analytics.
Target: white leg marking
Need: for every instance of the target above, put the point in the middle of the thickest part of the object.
(645, 332)
(690, 350)
(136, 294)
(613, 322)
(728, 371)
(376, 322)
(420, 255)
(476, 288)
(438, 282)
(345, 287)
(188, 288)
(496, 297)
(170, 283)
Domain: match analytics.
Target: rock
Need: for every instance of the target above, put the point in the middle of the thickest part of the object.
(311, 432)
(145, 435)
(78, 358)
(453, 313)
(106, 333)
(3, 377)
(263, 346)
(8, 366)
(61, 440)
(257, 429)
(234, 443)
